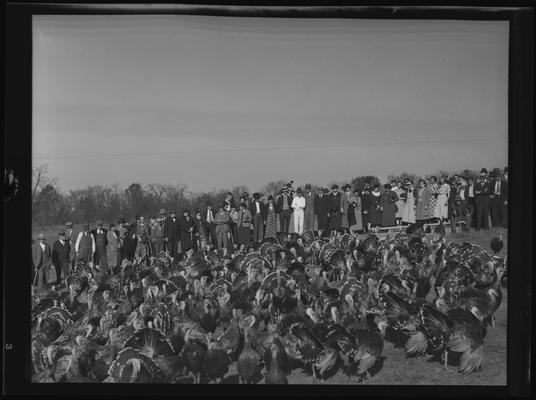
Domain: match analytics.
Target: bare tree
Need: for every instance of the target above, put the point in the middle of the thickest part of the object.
(41, 179)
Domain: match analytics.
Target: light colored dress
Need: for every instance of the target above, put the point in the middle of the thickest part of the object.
(409, 208)
(433, 188)
(400, 203)
(441, 209)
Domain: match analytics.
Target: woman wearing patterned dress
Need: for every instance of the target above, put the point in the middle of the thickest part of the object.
(408, 216)
(270, 218)
(433, 188)
(441, 210)
(423, 200)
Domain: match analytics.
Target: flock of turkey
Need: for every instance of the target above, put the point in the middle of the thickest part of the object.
(311, 303)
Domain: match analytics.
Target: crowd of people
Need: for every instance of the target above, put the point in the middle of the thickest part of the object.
(233, 224)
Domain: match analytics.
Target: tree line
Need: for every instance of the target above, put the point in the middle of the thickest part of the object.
(51, 206)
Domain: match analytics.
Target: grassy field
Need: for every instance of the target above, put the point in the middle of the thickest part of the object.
(394, 368)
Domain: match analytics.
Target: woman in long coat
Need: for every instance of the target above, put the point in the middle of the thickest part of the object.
(244, 224)
(130, 242)
(271, 215)
(345, 203)
(365, 208)
(375, 206)
(388, 202)
(423, 201)
(335, 217)
(409, 207)
(112, 250)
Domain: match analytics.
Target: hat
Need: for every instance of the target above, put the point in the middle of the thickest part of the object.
(41, 236)
(61, 233)
(326, 190)
(111, 225)
(69, 224)
(484, 171)
(245, 194)
(270, 197)
(162, 211)
(86, 226)
(99, 223)
(334, 187)
(256, 196)
(307, 186)
(173, 212)
(208, 204)
(185, 210)
(347, 186)
(299, 190)
(496, 172)
(505, 170)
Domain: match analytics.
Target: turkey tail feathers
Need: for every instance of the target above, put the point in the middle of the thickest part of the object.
(416, 345)
(471, 361)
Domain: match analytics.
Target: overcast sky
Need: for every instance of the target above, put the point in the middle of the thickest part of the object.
(214, 102)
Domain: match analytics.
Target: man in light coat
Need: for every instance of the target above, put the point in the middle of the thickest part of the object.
(298, 205)
(85, 246)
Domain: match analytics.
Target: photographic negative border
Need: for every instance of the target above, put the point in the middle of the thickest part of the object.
(17, 214)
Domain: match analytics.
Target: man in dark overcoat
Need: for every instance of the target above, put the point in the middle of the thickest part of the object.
(61, 251)
(42, 261)
(172, 233)
(482, 192)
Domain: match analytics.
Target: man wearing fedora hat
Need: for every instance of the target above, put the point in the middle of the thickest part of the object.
(101, 241)
(209, 226)
(258, 215)
(309, 212)
(42, 259)
(498, 199)
(284, 209)
(482, 191)
(157, 233)
(321, 206)
(186, 226)
(70, 238)
(61, 257)
(85, 245)
(171, 233)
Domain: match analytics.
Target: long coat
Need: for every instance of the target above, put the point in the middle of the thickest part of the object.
(356, 223)
(61, 256)
(244, 226)
(345, 202)
(335, 217)
(42, 261)
(375, 213)
(101, 242)
(422, 203)
(112, 249)
(389, 199)
(185, 225)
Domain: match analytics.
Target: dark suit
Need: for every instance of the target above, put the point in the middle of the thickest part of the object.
(41, 261)
(61, 259)
(498, 202)
(172, 234)
(258, 219)
(186, 237)
(101, 241)
(482, 191)
(335, 216)
(209, 227)
(284, 215)
(321, 206)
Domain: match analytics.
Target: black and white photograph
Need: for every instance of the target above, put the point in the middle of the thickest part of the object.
(223, 199)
